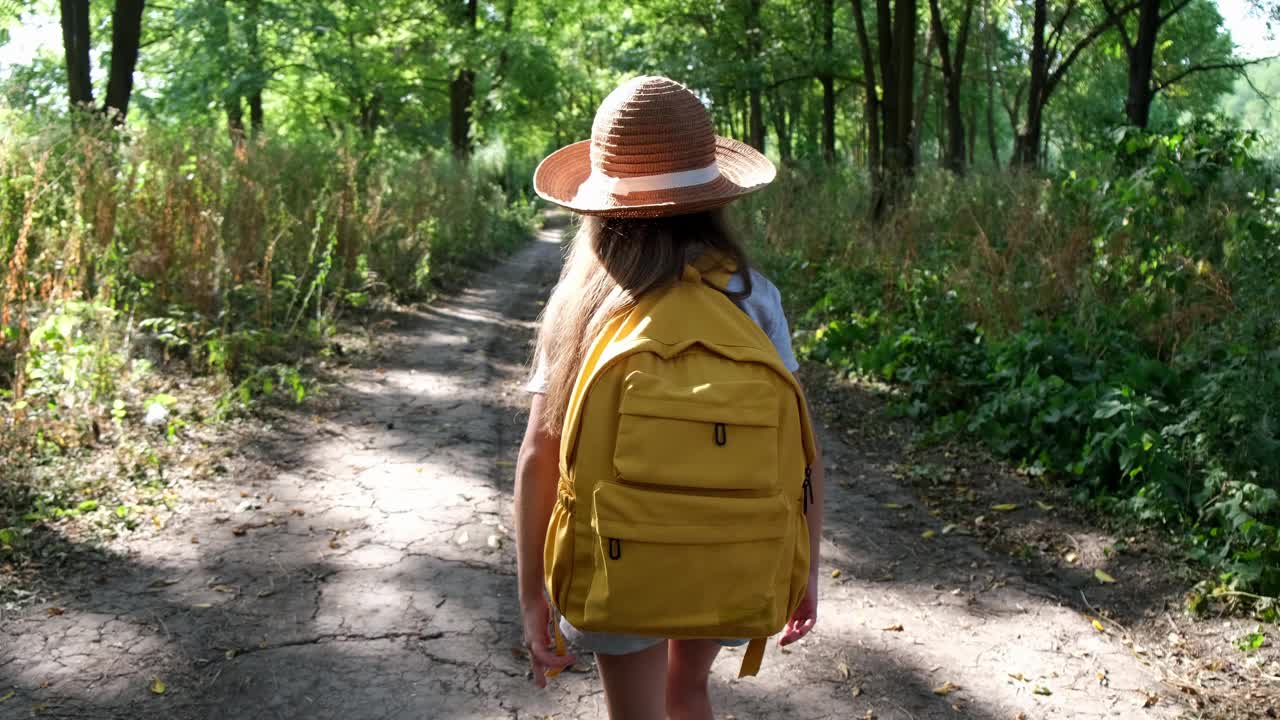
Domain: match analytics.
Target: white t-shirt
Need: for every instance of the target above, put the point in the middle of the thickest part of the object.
(763, 305)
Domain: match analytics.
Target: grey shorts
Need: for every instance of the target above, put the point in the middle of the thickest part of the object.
(604, 643)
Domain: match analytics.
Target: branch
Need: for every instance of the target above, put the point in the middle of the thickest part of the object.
(1232, 65)
(1124, 32)
(1173, 11)
(1051, 44)
(777, 83)
(1056, 76)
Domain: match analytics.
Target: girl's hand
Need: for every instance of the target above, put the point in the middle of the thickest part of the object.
(537, 640)
(803, 619)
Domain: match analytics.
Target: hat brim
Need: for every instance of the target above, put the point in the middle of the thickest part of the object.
(743, 170)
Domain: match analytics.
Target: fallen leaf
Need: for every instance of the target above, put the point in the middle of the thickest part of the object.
(946, 529)
(1042, 690)
(505, 464)
(266, 593)
(1044, 505)
(893, 506)
(55, 611)
(856, 691)
(843, 669)
(297, 511)
(1018, 676)
(1005, 507)
(946, 688)
(7, 696)
(927, 534)
(239, 531)
(230, 653)
(157, 686)
(202, 606)
(1070, 556)
(1097, 625)
(1147, 702)
(1103, 577)
(893, 628)
(835, 573)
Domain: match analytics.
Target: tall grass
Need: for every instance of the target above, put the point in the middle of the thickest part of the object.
(181, 246)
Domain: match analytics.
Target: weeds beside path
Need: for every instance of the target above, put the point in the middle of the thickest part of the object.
(355, 561)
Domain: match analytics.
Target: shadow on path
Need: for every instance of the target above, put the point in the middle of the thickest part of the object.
(362, 567)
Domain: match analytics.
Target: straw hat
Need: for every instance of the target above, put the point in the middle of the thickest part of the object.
(652, 153)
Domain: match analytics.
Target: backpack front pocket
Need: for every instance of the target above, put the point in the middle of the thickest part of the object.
(710, 436)
(689, 565)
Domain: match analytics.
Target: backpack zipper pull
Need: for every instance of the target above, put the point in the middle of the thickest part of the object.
(807, 498)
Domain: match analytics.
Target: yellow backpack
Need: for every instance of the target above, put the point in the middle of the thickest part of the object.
(683, 477)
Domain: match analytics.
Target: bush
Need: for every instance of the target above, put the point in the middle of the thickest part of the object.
(1117, 327)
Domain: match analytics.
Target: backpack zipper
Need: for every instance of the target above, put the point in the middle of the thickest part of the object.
(806, 498)
(684, 490)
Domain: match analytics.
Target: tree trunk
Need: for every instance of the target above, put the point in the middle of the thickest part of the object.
(220, 37)
(75, 45)
(991, 83)
(900, 156)
(253, 15)
(953, 78)
(923, 97)
(255, 111)
(126, 36)
(461, 94)
(972, 127)
(871, 98)
(1026, 148)
(828, 83)
(780, 127)
(1137, 105)
(755, 123)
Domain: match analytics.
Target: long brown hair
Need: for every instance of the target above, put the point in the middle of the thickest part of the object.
(611, 264)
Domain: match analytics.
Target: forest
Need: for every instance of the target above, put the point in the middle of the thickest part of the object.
(1048, 227)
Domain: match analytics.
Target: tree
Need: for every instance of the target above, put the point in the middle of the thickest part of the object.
(462, 91)
(827, 78)
(871, 97)
(126, 38)
(1045, 77)
(75, 43)
(896, 30)
(1141, 50)
(952, 79)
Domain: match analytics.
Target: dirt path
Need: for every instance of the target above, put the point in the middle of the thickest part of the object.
(356, 563)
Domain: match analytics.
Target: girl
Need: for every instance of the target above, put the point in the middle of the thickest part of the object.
(649, 183)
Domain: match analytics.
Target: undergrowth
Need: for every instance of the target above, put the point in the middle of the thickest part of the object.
(141, 265)
(1116, 327)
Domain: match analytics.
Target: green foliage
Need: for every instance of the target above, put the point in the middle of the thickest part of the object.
(1115, 329)
(152, 255)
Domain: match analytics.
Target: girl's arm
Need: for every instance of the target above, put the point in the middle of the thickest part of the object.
(537, 470)
(807, 614)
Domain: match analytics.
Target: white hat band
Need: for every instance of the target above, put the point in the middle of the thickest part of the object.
(599, 182)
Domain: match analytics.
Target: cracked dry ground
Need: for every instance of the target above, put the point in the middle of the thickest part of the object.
(392, 594)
